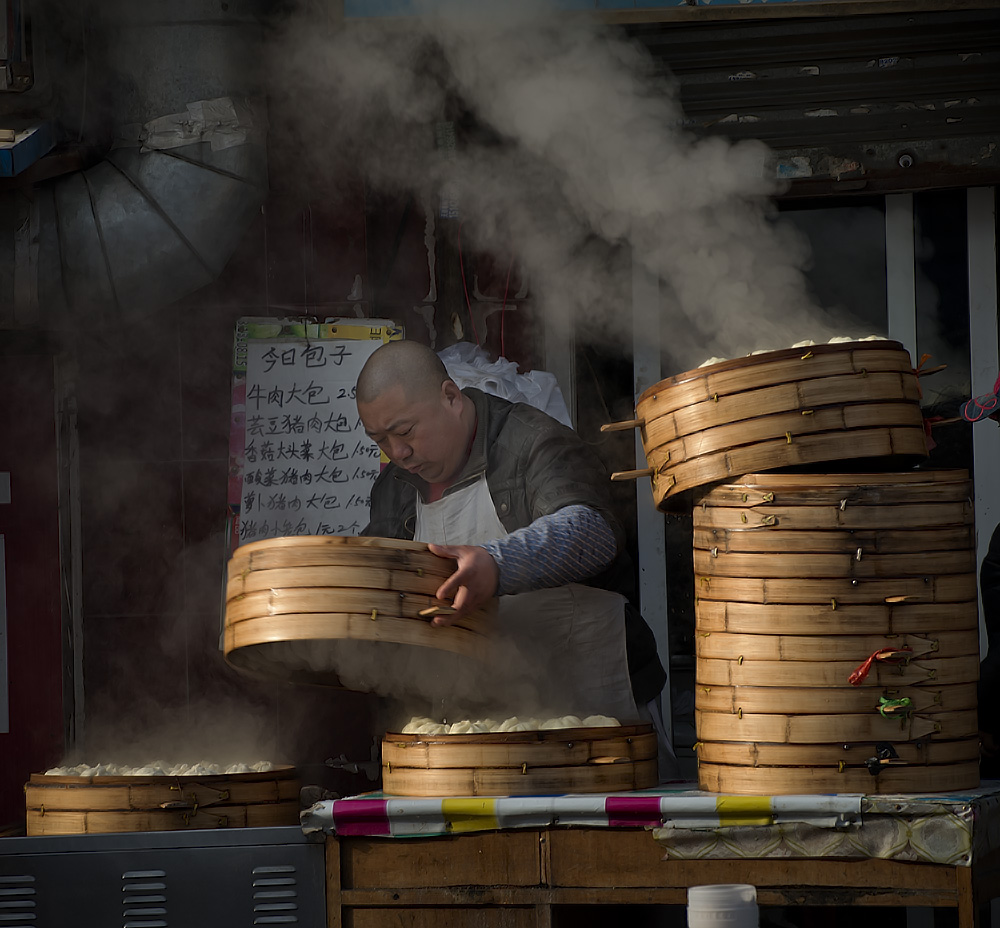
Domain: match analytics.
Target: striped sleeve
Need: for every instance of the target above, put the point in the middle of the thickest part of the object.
(567, 546)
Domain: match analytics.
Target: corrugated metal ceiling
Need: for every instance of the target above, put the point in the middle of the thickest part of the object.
(865, 103)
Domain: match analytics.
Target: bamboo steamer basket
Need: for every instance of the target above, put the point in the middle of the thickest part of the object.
(837, 636)
(303, 608)
(779, 409)
(566, 760)
(68, 805)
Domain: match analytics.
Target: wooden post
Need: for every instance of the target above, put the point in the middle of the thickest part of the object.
(968, 910)
(334, 914)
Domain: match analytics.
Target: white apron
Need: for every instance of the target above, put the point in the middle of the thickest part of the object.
(569, 640)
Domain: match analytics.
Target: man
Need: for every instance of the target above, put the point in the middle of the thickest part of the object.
(522, 504)
(974, 410)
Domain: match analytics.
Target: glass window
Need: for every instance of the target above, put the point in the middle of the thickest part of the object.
(847, 272)
(942, 293)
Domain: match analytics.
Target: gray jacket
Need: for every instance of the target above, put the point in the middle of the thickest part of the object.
(534, 466)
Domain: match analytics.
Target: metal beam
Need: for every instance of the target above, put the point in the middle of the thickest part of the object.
(900, 277)
(984, 347)
(700, 11)
(646, 308)
(71, 548)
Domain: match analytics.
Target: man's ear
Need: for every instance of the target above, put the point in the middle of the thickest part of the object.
(451, 393)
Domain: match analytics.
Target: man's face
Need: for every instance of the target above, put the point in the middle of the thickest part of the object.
(423, 434)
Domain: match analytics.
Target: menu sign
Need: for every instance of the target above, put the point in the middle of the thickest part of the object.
(300, 461)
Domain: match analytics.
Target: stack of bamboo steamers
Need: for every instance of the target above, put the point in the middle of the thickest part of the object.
(836, 616)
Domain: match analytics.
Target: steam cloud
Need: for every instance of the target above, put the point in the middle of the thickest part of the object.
(208, 731)
(578, 164)
(427, 680)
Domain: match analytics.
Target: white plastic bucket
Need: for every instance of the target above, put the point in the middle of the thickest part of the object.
(722, 905)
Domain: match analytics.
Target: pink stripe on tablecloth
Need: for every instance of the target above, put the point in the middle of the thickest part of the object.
(361, 817)
(633, 811)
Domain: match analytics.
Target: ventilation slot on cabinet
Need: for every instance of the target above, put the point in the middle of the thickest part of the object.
(144, 899)
(274, 896)
(17, 902)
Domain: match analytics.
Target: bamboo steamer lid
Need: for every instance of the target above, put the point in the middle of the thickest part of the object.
(341, 611)
(836, 618)
(69, 805)
(567, 760)
(779, 409)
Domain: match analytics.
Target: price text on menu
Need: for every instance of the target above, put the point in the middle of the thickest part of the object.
(308, 466)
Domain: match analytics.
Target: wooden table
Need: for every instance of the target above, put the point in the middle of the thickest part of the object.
(531, 877)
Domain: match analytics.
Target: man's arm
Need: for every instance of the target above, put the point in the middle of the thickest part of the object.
(561, 521)
(570, 545)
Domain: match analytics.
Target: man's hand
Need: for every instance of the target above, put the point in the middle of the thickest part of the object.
(474, 581)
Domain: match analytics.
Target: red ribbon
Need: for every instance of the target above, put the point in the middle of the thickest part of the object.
(860, 673)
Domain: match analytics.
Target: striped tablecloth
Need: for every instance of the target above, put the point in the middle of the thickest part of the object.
(944, 828)
(378, 815)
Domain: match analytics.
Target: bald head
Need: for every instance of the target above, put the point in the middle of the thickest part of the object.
(403, 363)
(415, 412)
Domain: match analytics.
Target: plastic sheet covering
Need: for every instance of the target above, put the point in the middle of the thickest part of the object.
(214, 121)
(946, 828)
(470, 366)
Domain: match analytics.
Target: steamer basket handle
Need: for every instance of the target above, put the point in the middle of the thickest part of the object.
(619, 475)
(623, 426)
(921, 645)
(895, 655)
(192, 800)
(894, 708)
(651, 471)
(432, 611)
(885, 755)
(921, 371)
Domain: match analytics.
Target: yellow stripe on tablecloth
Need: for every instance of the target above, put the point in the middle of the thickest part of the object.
(744, 810)
(469, 814)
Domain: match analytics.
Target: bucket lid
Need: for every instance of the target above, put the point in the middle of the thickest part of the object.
(723, 896)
